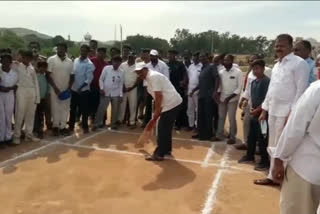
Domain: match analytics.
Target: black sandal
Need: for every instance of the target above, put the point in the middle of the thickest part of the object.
(154, 158)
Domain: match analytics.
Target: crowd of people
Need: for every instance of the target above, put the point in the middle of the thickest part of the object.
(195, 94)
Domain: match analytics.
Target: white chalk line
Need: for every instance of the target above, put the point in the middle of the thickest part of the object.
(91, 136)
(211, 198)
(208, 156)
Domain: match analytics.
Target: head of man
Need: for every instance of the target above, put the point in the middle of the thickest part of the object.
(126, 49)
(131, 58)
(116, 62)
(283, 45)
(26, 57)
(102, 52)
(228, 61)
(6, 60)
(145, 54)
(154, 55)
(172, 54)
(252, 58)
(84, 51)
(187, 55)
(258, 67)
(61, 49)
(204, 58)
(34, 47)
(114, 52)
(303, 49)
(141, 70)
(196, 58)
(93, 44)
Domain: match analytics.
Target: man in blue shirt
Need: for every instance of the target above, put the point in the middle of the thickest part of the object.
(83, 75)
(303, 49)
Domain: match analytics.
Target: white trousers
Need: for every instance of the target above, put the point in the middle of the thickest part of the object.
(25, 111)
(6, 112)
(60, 111)
(192, 109)
(276, 126)
(132, 98)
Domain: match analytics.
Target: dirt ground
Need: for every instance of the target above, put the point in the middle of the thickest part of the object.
(104, 172)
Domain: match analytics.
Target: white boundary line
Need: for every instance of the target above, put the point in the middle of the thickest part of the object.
(208, 156)
(90, 136)
(211, 198)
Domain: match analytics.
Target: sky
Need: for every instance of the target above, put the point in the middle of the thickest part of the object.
(162, 18)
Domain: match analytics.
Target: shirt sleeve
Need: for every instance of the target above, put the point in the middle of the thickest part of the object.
(121, 84)
(247, 89)
(102, 78)
(89, 73)
(296, 128)
(156, 84)
(165, 70)
(301, 78)
(239, 80)
(50, 65)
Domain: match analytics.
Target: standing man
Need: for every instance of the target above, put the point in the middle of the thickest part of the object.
(290, 78)
(208, 83)
(99, 63)
(230, 89)
(299, 147)
(303, 49)
(193, 81)
(187, 58)
(83, 75)
(158, 65)
(27, 97)
(130, 89)
(167, 101)
(60, 77)
(178, 78)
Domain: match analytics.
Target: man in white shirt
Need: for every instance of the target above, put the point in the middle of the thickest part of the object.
(193, 77)
(230, 89)
(111, 90)
(130, 89)
(246, 97)
(60, 77)
(27, 97)
(289, 80)
(167, 101)
(158, 65)
(299, 147)
(8, 84)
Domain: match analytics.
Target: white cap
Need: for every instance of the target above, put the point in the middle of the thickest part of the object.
(154, 52)
(140, 66)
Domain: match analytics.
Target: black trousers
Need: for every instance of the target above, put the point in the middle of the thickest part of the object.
(165, 126)
(94, 100)
(39, 116)
(79, 101)
(215, 115)
(254, 136)
(206, 109)
(148, 112)
(182, 118)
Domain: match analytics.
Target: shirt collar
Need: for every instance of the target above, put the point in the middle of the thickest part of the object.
(287, 58)
(85, 60)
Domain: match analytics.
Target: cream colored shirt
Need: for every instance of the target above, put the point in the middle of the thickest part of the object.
(130, 76)
(231, 83)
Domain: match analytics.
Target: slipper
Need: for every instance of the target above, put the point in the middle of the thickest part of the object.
(154, 158)
(265, 182)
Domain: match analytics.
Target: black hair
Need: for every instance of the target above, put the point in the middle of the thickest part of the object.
(36, 43)
(146, 50)
(307, 44)
(102, 49)
(117, 59)
(115, 49)
(285, 37)
(86, 47)
(26, 53)
(231, 56)
(6, 55)
(5, 50)
(127, 46)
(259, 62)
(42, 64)
(94, 41)
(62, 44)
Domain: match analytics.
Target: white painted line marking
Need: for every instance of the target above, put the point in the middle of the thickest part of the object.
(208, 156)
(211, 198)
(89, 137)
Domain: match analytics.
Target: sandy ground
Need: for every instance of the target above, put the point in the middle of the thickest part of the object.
(103, 172)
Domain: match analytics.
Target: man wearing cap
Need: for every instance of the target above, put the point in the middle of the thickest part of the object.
(60, 77)
(158, 65)
(178, 78)
(8, 84)
(193, 81)
(130, 89)
(167, 101)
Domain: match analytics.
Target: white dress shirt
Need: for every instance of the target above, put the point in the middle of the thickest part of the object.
(158, 82)
(290, 78)
(130, 76)
(231, 83)
(111, 81)
(193, 75)
(299, 143)
(160, 67)
(60, 71)
(251, 77)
